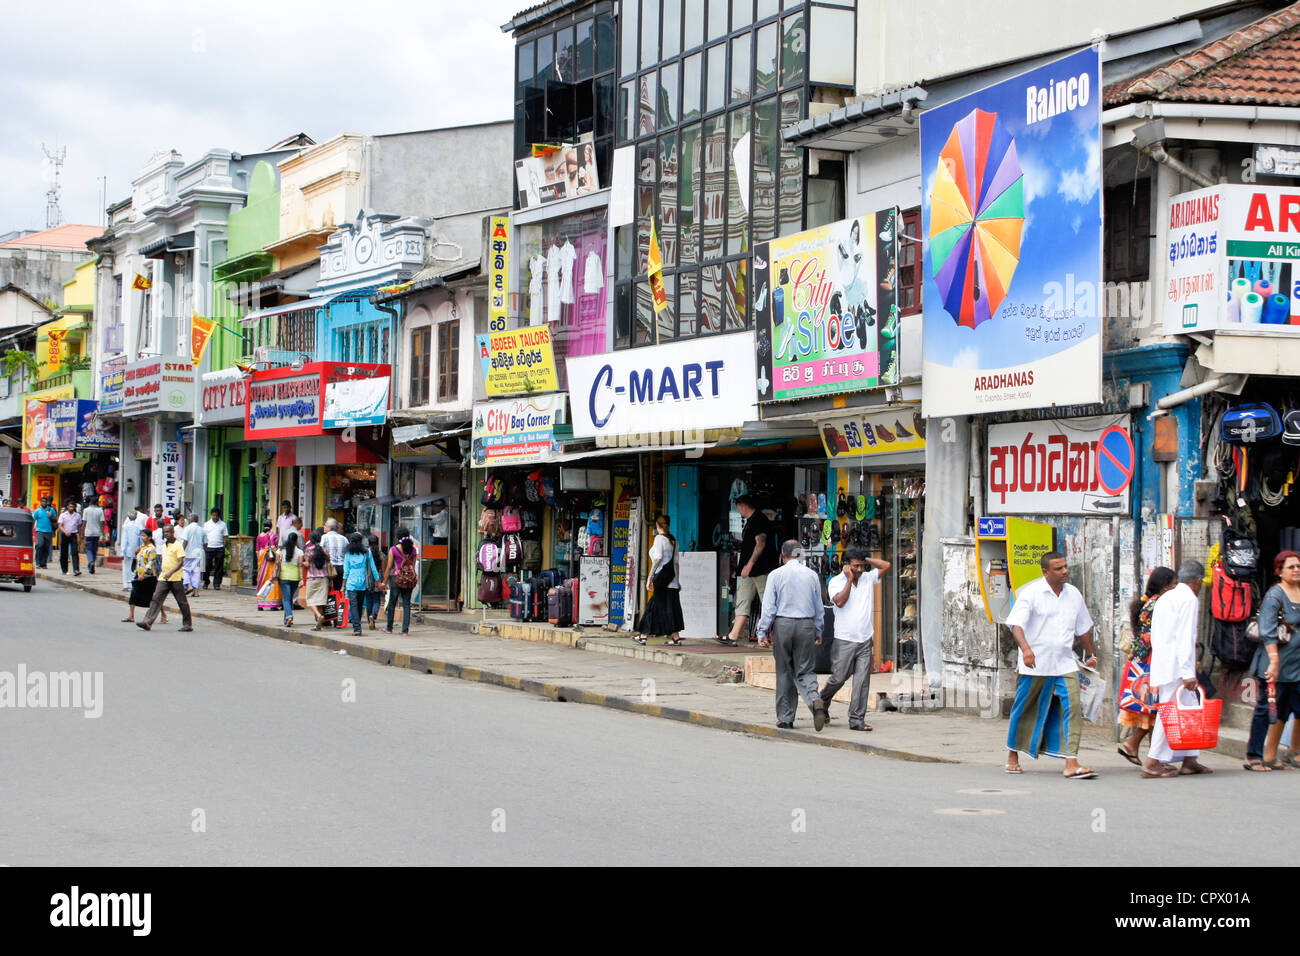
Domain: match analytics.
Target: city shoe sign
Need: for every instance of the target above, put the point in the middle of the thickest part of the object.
(701, 383)
(222, 397)
(1061, 466)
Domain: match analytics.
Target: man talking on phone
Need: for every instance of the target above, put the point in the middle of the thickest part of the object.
(853, 594)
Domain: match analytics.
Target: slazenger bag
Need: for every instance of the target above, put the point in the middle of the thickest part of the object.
(1230, 599)
(1250, 423)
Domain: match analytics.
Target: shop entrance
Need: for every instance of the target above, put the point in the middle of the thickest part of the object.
(345, 485)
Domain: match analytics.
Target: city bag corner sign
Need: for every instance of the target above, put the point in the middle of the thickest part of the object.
(703, 383)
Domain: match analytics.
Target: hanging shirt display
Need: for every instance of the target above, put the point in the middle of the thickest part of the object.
(593, 274)
(536, 268)
(553, 259)
(567, 256)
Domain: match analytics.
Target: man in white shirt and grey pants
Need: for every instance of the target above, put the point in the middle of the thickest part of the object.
(215, 533)
(853, 594)
(93, 516)
(1173, 665)
(792, 617)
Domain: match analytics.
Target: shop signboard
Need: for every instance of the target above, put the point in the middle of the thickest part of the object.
(826, 309)
(498, 273)
(593, 591)
(61, 425)
(38, 426)
(158, 385)
(74, 425)
(45, 485)
(1232, 258)
(1011, 223)
(1061, 466)
(356, 401)
(222, 396)
(562, 173)
(699, 593)
(111, 383)
(887, 431)
(291, 403)
(515, 431)
(140, 439)
(521, 361)
(621, 527)
(171, 461)
(704, 383)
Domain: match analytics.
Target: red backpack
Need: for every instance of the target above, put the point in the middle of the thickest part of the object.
(1230, 598)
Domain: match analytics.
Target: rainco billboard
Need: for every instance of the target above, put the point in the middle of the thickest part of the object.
(1011, 226)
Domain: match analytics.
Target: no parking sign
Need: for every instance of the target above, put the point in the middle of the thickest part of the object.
(1115, 460)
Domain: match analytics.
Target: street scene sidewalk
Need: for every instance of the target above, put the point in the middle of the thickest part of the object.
(615, 672)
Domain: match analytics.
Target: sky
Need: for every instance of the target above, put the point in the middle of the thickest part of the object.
(115, 82)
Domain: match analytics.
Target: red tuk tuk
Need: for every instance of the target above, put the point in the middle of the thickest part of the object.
(16, 538)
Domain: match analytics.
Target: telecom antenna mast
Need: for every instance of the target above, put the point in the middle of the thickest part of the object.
(53, 214)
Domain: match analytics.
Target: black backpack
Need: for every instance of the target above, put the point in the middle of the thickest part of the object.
(1240, 555)
(1231, 646)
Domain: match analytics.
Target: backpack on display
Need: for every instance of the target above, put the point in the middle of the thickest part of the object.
(511, 519)
(489, 556)
(405, 576)
(494, 492)
(533, 487)
(1250, 423)
(512, 551)
(532, 522)
(548, 489)
(489, 523)
(1230, 598)
(532, 559)
(489, 589)
(1291, 427)
(1240, 555)
(1231, 646)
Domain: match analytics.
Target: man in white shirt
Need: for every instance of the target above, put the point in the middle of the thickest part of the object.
(215, 533)
(335, 546)
(92, 516)
(195, 537)
(284, 523)
(1173, 665)
(1047, 617)
(853, 597)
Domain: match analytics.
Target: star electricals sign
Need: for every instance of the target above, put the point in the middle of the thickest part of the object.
(289, 403)
(158, 385)
(703, 383)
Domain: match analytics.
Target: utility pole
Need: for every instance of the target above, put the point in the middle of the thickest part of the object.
(53, 214)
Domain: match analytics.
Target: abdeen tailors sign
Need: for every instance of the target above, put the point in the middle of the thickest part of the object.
(290, 403)
(1011, 225)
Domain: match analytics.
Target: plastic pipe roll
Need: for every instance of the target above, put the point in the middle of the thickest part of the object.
(1234, 311)
(1252, 308)
(1239, 289)
(1277, 310)
(1264, 288)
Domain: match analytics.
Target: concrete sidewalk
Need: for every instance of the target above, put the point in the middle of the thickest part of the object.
(620, 674)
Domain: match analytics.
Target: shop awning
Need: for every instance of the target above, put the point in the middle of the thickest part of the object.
(383, 500)
(181, 242)
(422, 500)
(303, 305)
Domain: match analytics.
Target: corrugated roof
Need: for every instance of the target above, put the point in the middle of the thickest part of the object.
(1258, 65)
(72, 237)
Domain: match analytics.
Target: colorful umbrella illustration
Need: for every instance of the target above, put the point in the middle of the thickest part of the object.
(977, 214)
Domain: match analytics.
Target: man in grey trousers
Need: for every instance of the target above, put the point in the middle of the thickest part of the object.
(792, 619)
(853, 593)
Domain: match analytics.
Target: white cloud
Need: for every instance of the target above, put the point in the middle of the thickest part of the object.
(967, 358)
(1081, 184)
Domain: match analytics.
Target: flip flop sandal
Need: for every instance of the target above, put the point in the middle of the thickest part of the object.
(1128, 756)
(842, 508)
(844, 534)
(676, 643)
(1081, 774)
(639, 639)
(1165, 772)
(821, 505)
(1010, 769)
(862, 507)
(1256, 766)
(725, 642)
(827, 531)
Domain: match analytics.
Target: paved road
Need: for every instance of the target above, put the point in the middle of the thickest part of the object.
(423, 770)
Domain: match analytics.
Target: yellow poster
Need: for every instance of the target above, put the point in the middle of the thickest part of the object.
(54, 350)
(35, 432)
(887, 431)
(518, 361)
(499, 275)
(1027, 542)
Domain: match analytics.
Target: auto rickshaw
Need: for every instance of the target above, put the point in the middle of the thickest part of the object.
(17, 534)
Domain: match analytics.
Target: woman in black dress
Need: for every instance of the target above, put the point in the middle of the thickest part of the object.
(663, 612)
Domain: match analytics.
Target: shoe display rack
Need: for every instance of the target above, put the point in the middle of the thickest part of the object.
(902, 519)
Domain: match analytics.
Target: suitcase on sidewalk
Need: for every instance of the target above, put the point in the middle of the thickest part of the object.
(553, 577)
(559, 606)
(537, 595)
(520, 599)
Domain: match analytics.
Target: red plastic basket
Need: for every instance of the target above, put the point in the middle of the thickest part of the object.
(1191, 727)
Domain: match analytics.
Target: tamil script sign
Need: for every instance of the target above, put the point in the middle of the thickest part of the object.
(1061, 466)
(703, 383)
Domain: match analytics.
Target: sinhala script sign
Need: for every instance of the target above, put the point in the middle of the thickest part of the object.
(704, 383)
(1061, 466)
